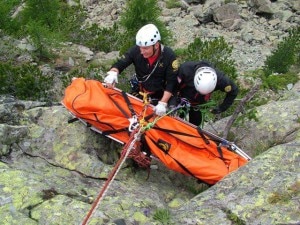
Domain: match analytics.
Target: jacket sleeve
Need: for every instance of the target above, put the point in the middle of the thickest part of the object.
(126, 60)
(229, 87)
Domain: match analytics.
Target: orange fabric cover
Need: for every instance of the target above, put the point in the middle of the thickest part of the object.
(90, 101)
(201, 159)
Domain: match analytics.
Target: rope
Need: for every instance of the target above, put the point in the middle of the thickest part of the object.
(135, 136)
(182, 104)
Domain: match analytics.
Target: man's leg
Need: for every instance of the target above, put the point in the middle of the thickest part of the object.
(195, 117)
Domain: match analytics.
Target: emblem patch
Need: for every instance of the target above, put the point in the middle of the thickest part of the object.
(165, 146)
(227, 88)
(175, 65)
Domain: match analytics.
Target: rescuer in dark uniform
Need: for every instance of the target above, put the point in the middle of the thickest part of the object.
(197, 81)
(155, 65)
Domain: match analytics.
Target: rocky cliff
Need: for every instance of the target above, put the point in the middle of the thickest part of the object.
(51, 171)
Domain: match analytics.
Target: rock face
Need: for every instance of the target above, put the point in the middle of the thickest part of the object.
(252, 27)
(52, 170)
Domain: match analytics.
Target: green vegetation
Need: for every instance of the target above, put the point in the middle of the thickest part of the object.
(162, 215)
(46, 23)
(278, 82)
(25, 82)
(261, 147)
(234, 218)
(286, 196)
(277, 72)
(196, 187)
(100, 39)
(138, 13)
(43, 23)
(216, 51)
(285, 55)
(6, 9)
(173, 4)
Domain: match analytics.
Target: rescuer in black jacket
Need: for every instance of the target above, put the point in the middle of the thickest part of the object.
(155, 65)
(197, 81)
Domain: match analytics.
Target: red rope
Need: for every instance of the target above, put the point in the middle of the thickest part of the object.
(126, 150)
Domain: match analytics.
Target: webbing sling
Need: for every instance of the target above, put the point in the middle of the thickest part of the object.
(174, 131)
(202, 135)
(184, 134)
(180, 164)
(218, 147)
(108, 132)
(119, 107)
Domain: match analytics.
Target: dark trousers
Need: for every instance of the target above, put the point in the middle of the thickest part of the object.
(195, 117)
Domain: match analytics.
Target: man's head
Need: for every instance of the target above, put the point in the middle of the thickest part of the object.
(205, 80)
(147, 38)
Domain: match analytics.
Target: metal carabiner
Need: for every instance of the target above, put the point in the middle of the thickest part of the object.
(133, 123)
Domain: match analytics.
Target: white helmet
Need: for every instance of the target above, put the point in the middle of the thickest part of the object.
(205, 80)
(148, 35)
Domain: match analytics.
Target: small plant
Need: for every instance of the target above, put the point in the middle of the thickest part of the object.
(286, 54)
(234, 218)
(260, 147)
(173, 4)
(162, 215)
(196, 187)
(43, 23)
(5, 14)
(286, 196)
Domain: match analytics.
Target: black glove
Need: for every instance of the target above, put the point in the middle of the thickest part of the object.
(216, 110)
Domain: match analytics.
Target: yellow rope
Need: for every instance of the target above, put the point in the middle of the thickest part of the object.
(146, 103)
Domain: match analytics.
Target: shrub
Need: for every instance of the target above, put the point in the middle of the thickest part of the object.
(44, 22)
(138, 13)
(25, 82)
(100, 39)
(278, 82)
(6, 9)
(286, 54)
(217, 51)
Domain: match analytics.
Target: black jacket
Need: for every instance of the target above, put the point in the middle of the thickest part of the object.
(187, 89)
(164, 76)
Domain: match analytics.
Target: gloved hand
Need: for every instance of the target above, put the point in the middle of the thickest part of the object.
(111, 78)
(216, 110)
(161, 108)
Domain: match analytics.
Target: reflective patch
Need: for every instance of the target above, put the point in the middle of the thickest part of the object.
(227, 88)
(175, 65)
(163, 145)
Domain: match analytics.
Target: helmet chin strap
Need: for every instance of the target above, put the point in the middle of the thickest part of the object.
(154, 50)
